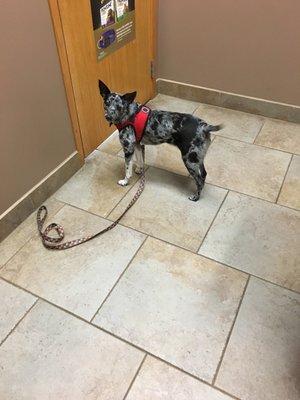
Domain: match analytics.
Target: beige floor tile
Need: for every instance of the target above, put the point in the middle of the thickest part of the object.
(176, 305)
(52, 355)
(290, 193)
(165, 212)
(237, 124)
(80, 278)
(13, 305)
(170, 103)
(280, 135)
(246, 168)
(257, 237)
(111, 145)
(24, 232)
(158, 381)
(95, 187)
(167, 157)
(262, 358)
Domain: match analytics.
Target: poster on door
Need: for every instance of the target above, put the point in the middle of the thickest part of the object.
(113, 24)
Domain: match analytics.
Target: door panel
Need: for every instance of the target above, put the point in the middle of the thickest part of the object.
(125, 70)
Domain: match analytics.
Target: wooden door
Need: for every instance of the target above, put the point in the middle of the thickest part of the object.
(128, 69)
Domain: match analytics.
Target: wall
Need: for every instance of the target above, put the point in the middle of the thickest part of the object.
(35, 130)
(241, 46)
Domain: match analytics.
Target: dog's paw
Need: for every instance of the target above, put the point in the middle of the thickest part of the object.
(194, 197)
(123, 182)
(138, 170)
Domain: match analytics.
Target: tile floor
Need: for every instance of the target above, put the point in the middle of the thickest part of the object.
(183, 300)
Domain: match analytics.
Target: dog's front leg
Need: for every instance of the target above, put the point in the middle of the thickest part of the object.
(140, 158)
(128, 168)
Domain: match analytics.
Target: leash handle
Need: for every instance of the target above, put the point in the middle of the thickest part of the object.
(55, 243)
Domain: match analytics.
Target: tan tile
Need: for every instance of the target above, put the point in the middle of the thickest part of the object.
(24, 232)
(158, 381)
(290, 192)
(237, 124)
(167, 157)
(165, 212)
(176, 305)
(280, 135)
(95, 187)
(257, 237)
(246, 168)
(52, 355)
(80, 278)
(13, 305)
(111, 145)
(169, 103)
(266, 338)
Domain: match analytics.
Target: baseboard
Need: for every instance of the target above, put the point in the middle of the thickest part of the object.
(22, 208)
(266, 108)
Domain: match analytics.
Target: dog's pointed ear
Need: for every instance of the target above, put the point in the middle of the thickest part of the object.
(104, 91)
(129, 97)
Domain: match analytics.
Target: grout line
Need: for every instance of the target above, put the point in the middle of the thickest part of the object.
(282, 183)
(251, 196)
(211, 224)
(161, 359)
(254, 144)
(162, 240)
(273, 148)
(230, 332)
(259, 131)
(118, 280)
(135, 376)
(248, 273)
(191, 375)
(20, 320)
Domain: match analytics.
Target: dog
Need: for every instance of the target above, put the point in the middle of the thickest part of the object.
(190, 134)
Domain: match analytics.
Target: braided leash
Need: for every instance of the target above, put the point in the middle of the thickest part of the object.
(55, 243)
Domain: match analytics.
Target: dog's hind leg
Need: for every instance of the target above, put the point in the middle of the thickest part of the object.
(140, 158)
(198, 173)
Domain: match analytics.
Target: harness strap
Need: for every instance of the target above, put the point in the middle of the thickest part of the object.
(138, 123)
(54, 243)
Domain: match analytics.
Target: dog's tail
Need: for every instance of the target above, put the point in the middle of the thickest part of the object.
(212, 128)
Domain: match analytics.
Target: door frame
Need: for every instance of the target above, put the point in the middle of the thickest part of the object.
(66, 72)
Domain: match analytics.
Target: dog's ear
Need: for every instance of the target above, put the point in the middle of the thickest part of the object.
(104, 91)
(129, 97)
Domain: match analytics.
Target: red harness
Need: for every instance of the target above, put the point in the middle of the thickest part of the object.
(138, 123)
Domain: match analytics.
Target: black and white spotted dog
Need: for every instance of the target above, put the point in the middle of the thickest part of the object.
(190, 134)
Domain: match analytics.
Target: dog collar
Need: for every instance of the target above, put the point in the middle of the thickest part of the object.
(138, 122)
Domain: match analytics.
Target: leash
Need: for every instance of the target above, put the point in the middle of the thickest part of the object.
(55, 243)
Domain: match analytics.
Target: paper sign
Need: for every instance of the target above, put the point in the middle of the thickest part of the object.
(113, 24)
